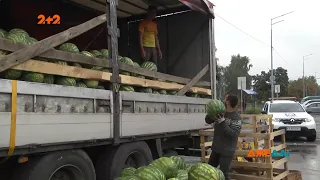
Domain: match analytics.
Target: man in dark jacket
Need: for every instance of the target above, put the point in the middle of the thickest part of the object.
(227, 128)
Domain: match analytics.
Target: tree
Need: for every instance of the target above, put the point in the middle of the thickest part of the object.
(295, 88)
(262, 84)
(238, 67)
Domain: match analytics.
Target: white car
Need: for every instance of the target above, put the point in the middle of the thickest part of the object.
(292, 117)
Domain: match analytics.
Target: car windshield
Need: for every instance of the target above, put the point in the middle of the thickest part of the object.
(286, 107)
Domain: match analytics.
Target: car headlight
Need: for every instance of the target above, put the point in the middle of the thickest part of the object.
(275, 119)
(309, 119)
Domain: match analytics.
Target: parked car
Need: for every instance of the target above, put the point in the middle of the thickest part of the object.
(309, 98)
(304, 104)
(313, 107)
(291, 116)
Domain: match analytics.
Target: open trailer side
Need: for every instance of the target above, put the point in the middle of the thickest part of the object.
(107, 128)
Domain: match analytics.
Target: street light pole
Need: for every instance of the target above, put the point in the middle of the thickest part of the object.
(272, 76)
(303, 84)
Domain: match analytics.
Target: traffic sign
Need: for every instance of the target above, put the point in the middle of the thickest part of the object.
(277, 88)
(241, 83)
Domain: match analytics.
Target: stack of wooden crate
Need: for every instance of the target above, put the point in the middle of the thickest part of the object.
(257, 131)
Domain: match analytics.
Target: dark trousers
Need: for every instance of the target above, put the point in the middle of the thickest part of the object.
(151, 54)
(217, 159)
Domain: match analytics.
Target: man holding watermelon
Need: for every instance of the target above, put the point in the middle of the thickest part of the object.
(227, 127)
(149, 41)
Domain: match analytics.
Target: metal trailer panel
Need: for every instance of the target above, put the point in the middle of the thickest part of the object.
(51, 114)
(146, 114)
(43, 128)
(148, 124)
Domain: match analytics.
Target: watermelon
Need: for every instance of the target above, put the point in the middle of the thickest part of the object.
(162, 91)
(69, 47)
(81, 84)
(188, 167)
(215, 107)
(179, 162)
(33, 77)
(91, 83)
(66, 81)
(17, 38)
(86, 53)
(62, 63)
(146, 90)
(3, 33)
(135, 65)
(96, 53)
(149, 173)
(19, 31)
(127, 61)
(127, 88)
(12, 74)
(182, 175)
(105, 53)
(203, 171)
(128, 178)
(48, 78)
(127, 171)
(31, 40)
(98, 68)
(155, 92)
(220, 174)
(76, 65)
(149, 66)
(172, 92)
(173, 179)
(167, 166)
(194, 95)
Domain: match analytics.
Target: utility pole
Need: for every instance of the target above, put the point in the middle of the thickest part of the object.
(272, 76)
(303, 78)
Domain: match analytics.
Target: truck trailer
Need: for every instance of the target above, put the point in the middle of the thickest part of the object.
(51, 131)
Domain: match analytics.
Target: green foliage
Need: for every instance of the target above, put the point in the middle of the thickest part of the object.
(295, 87)
(238, 67)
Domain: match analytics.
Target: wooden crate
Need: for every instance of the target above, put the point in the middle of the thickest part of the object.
(259, 168)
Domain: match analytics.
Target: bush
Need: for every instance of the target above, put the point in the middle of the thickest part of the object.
(252, 110)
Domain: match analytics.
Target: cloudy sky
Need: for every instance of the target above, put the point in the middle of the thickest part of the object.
(296, 36)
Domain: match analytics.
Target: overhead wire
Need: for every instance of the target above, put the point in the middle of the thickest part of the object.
(258, 40)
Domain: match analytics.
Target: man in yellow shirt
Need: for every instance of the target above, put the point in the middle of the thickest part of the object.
(149, 42)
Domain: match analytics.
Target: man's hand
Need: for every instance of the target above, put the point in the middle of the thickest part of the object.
(160, 53)
(143, 53)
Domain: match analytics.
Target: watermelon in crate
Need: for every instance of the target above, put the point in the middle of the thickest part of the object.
(149, 66)
(86, 53)
(66, 81)
(12, 74)
(162, 91)
(48, 78)
(17, 38)
(91, 83)
(135, 64)
(96, 53)
(3, 33)
(104, 53)
(33, 77)
(81, 84)
(128, 178)
(127, 88)
(215, 107)
(69, 47)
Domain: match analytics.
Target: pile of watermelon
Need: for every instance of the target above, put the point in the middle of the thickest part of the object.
(172, 168)
(21, 36)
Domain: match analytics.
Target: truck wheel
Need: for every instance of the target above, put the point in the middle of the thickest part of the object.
(110, 163)
(63, 165)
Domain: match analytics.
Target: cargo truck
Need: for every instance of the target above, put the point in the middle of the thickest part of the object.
(50, 131)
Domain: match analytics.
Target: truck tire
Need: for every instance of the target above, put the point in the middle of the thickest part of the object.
(111, 162)
(62, 165)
